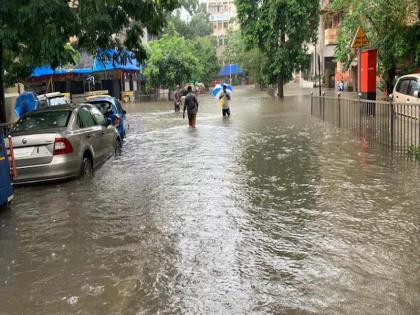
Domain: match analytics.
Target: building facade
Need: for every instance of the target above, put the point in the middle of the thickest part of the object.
(331, 72)
(221, 16)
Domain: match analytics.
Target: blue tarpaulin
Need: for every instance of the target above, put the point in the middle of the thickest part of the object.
(131, 63)
(25, 103)
(98, 66)
(47, 71)
(232, 69)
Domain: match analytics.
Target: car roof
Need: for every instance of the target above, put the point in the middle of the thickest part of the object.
(412, 75)
(58, 108)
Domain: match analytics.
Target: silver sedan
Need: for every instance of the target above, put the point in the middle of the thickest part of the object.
(62, 142)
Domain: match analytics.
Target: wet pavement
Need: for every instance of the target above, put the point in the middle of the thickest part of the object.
(268, 212)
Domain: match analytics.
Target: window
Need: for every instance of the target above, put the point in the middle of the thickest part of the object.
(86, 118)
(414, 86)
(43, 120)
(61, 100)
(97, 115)
(225, 25)
(104, 107)
(403, 86)
(118, 105)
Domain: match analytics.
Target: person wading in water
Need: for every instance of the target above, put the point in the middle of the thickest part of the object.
(224, 101)
(177, 99)
(191, 106)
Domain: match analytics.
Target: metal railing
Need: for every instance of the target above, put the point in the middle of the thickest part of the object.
(5, 129)
(393, 125)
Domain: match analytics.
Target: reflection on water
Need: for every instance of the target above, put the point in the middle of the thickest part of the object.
(269, 211)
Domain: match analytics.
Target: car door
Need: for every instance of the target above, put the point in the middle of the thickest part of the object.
(92, 133)
(121, 113)
(107, 134)
(401, 90)
(412, 89)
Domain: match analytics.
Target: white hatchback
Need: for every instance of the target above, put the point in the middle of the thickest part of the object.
(407, 89)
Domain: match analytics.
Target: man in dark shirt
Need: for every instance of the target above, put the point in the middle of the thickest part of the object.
(191, 106)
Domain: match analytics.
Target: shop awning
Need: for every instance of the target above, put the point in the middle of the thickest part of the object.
(47, 71)
(231, 69)
(131, 64)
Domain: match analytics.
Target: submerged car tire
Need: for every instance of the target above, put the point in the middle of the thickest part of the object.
(117, 147)
(86, 170)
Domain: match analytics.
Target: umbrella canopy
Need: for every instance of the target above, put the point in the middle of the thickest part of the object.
(25, 103)
(218, 89)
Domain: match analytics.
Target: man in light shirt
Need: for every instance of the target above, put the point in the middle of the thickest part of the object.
(224, 102)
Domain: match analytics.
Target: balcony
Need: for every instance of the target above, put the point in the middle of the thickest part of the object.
(330, 36)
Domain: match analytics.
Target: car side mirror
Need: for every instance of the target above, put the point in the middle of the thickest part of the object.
(108, 121)
(391, 97)
(416, 94)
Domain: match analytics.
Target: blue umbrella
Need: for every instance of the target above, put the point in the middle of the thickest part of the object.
(25, 103)
(218, 89)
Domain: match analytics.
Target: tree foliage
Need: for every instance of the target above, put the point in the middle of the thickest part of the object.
(197, 25)
(204, 49)
(174, 60)
(252, 61)
(387, 27)
(36, 32)
(281, 29)
(170, 62)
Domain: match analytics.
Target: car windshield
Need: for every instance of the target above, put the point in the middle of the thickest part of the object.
(61, 100)
(42, 120)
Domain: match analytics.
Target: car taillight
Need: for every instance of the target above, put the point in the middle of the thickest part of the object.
(117, 121)
(62, 146)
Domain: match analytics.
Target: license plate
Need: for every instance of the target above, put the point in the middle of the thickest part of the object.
(21, 153)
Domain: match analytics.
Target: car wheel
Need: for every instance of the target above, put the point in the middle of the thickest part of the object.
(117, 147)
(86, 171)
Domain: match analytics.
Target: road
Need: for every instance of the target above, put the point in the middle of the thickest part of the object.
(268, 212)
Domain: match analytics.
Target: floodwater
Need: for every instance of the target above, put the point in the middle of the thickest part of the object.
(268, 212)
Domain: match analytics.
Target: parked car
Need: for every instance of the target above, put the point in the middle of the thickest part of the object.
(407, 91)
(62, 142)
(111, 108)
(6, 184)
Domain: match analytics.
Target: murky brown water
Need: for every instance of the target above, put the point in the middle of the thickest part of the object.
(269, 212)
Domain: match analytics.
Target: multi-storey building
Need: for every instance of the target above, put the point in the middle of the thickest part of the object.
(331, 72)
(222, 13)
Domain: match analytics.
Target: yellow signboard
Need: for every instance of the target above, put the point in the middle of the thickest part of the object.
(360, 39)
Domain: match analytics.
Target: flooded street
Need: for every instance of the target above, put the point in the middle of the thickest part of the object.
(268, 212)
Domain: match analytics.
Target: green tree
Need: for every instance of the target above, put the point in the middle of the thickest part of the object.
(189, 5)
(252, 61)
(281, 29)
(204, 49)
(198, 25)
(171, 62)
(386, 25)
(36, 32)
